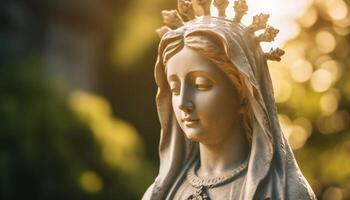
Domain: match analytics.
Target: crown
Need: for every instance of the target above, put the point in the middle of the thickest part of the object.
(173, 20)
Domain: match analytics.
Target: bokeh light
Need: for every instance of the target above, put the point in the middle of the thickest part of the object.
(298, 137)
(329, 103)
(301, 70)
(333, 193)
(121, 144)
(283, 15)
(321, 80)
(73, 76)
(332, 67)
(91, 182)
(325, 41)
(281, 87)
(337, 9)
(309, 18)
(296, 131)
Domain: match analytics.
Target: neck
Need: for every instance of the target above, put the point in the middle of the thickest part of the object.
(226, 155)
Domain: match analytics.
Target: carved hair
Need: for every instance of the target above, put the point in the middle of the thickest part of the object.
(211, 48)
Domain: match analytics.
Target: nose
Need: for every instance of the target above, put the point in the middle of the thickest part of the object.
(185, 102)
(186, 106)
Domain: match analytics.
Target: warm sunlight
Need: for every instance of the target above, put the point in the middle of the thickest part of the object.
(283, 16)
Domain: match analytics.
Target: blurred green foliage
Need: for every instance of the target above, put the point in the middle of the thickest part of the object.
(312, 94)
(61, 141)
(46, 150)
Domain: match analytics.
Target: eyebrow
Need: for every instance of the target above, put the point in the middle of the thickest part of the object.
(174, 77)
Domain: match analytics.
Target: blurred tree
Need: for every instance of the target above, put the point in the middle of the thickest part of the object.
(55, 144)
(45, 150)
(48, 147)
(312, 89)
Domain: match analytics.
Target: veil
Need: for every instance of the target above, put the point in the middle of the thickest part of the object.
(272, 170)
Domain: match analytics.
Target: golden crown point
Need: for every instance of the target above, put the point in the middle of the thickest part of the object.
(162, 30)
(259, 22)
(221, 5)
(269, 34)
(193, 8)
(274, 54)
(205, 4)
(172, 18)
(185, 8)
(241, 8)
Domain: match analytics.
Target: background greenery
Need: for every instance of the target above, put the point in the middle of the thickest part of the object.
(77, 112)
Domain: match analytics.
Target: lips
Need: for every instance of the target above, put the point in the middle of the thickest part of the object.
(190, 122)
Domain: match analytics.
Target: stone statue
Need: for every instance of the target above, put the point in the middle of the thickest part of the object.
(220, 136)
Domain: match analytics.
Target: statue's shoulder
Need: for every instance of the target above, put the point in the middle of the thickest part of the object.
(148, 193)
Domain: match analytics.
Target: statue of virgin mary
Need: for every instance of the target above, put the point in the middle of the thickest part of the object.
(220, 135)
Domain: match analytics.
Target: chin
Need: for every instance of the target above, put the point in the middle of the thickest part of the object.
(194, 135)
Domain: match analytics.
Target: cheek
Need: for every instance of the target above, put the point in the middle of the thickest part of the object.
(217, 105)
(175, 106)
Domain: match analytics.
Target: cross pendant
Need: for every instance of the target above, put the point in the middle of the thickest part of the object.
(199, 195)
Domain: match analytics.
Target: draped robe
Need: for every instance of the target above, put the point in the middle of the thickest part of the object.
(272, 170)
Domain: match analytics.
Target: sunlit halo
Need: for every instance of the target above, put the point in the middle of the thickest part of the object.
(282, 17)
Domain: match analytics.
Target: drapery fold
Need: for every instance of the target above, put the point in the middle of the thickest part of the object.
(272, 170)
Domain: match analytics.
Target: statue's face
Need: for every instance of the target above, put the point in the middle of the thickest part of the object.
(204, 100)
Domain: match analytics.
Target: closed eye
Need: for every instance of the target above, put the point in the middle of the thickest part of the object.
(203, 83)
(203, 86)
(174, 87)
(175, 91)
